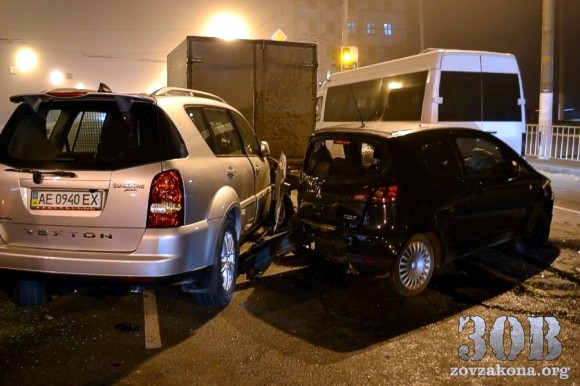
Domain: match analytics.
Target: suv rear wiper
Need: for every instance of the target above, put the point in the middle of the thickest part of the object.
(37, 174)
(66, 159)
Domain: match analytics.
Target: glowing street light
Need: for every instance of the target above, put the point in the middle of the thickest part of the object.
(26, 60)
(56, 77)
(227, 26)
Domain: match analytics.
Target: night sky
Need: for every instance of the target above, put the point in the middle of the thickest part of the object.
(513, 26)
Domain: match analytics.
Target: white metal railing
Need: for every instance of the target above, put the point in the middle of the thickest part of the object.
(565, 142)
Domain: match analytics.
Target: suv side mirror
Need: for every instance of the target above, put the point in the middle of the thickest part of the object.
(264, 148)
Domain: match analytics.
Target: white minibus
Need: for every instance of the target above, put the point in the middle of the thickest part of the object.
(463, 88)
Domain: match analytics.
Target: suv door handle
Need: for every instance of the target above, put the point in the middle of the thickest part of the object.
(258, 168)
(231, 172)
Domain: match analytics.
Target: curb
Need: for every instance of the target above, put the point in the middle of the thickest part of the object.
(542, 167)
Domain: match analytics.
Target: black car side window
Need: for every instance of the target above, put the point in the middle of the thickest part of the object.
(438, 157)
(481, 157)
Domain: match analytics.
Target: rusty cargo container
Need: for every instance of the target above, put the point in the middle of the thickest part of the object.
(272, 83)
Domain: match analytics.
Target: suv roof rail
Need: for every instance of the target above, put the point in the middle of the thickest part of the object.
(163, 91)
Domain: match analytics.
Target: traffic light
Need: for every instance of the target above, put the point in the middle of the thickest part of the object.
(348, 57)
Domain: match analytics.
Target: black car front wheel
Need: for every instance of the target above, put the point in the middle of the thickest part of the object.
(536, 233)
(414, 266)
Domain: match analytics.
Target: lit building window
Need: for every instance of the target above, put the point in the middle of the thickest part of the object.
(351, 27)
(388, 29)
(370, 28)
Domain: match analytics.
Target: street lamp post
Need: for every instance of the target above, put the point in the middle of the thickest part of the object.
(547, 80)
(345, 22)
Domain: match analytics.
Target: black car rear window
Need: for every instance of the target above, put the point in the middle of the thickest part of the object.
(89, 135)
(344, 156)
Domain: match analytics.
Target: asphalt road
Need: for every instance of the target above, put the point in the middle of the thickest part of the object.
(566, 190)
(305, 323)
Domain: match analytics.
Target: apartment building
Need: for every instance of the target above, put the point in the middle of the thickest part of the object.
(378, 29)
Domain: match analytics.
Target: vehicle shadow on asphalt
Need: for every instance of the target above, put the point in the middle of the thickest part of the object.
(319, 303)
(88, 334)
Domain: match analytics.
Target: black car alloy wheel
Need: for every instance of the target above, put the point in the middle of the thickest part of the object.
(414, 266)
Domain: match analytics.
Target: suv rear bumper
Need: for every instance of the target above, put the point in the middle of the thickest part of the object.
(161, 253)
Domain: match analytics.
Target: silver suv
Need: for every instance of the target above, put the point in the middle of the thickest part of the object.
(145, 189)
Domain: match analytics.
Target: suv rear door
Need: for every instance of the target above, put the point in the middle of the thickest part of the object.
(219, 131)
(76, 172)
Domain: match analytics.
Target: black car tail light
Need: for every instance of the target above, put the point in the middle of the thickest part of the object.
(385, 195)
(166, 200)
(381, 195)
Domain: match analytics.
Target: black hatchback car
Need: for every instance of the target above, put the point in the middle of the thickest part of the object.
(406, 200)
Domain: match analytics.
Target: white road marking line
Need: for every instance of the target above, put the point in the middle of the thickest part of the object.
(152, 336)
(567, 210)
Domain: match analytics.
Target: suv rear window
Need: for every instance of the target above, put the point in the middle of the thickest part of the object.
(89, 135)
(346, 157)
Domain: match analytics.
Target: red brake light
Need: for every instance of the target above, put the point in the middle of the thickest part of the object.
(166, 200)
(382, 195)
(385, 195)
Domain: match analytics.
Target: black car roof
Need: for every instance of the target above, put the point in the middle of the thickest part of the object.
(394, 131)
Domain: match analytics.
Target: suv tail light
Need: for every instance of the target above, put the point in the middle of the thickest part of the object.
(381, 195)
(166, 200)
(66, 93)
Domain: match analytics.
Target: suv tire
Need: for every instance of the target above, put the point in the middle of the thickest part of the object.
(30, 293)
(222, 283)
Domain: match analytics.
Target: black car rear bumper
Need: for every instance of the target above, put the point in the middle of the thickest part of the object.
(373, 254)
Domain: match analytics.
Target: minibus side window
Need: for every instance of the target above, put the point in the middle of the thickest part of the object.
(403, 97)
(461, 93)
(501, 93)
(395, 98)
(342, 101)
(474, 96)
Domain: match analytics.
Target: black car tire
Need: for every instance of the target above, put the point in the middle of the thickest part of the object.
(536, 233)
(286, 212)
(30, 293)
(414, 266)
(224, 271)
